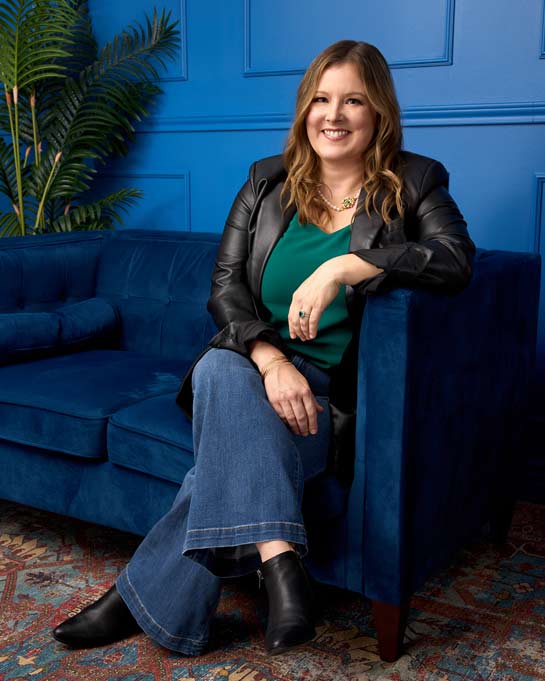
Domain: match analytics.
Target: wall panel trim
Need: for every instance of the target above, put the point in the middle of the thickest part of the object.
(513, 113)
(540, 208)
(506, 113)
(542, 54)
(183, 176)
(183, 48)
(444, 59)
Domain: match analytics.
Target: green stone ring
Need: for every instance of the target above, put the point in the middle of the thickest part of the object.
(302, 314)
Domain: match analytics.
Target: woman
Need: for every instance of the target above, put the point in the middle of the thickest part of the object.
(344, 212)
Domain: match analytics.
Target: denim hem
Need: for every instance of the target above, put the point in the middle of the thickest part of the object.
(180, 644)
(219, 537)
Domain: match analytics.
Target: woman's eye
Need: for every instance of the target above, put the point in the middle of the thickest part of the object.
(319, 99)
(353, 100)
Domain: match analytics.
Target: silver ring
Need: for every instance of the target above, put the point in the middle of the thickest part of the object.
(302, 314)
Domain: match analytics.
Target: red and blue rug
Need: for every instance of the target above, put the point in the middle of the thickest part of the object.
(483, 619)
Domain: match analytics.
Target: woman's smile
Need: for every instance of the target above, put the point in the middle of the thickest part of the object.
(335, 135)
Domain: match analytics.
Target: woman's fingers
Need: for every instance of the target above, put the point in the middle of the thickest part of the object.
(291, 418)
(304, 327)
(309, 403)
(313, 319)
(303, 324)
(303, 414)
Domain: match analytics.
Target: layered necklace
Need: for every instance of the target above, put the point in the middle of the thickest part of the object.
(347, 203)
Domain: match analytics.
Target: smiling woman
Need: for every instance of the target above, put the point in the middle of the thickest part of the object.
(309, 234)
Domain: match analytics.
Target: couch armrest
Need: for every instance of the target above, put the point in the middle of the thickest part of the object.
(442, 384)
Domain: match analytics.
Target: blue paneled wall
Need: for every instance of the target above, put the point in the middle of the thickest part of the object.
(470, 78)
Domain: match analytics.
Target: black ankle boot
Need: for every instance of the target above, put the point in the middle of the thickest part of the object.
(104, 621)
(291, 616)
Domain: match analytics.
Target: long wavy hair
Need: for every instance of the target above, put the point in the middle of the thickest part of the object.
(381, 181)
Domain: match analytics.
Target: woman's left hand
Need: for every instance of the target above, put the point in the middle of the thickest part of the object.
(321, 288)
(312, 298)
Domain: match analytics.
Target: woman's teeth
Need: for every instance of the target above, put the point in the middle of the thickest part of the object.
(335, 134)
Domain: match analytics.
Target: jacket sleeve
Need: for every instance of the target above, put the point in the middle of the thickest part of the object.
(440, 254)
(231, 303)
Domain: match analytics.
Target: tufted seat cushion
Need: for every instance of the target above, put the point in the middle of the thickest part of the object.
(152, 436)
(64, 403)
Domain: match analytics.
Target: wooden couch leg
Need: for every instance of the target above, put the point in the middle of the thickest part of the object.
(390, 622)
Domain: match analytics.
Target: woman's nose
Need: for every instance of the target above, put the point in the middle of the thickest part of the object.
(334, 111)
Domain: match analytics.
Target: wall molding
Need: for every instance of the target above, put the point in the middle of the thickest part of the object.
(542, 53)
(512, 113)
(183, 48)
(504, 113)
(183, 176)
(540, 210)
(444, 59)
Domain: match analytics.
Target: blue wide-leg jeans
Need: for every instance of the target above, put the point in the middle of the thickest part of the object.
(246, 486)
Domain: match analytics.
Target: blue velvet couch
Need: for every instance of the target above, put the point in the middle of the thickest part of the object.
(96, 330)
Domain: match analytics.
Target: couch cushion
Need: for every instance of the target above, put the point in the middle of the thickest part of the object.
(24, 335)
(91, 323)
(64, 403)
(32, 335)
(160, 284)
(152, 436)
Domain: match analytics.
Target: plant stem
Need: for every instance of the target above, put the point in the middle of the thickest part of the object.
(9, 102)
(17, 157)
(37, 153)
(39, 215)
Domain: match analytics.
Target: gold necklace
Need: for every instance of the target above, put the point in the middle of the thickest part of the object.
(347, 203)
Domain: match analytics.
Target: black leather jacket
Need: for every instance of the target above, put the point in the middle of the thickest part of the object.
(428, 247)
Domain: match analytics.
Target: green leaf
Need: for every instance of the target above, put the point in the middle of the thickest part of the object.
(33, 36)
(105, 211)
(8, 177)
(9, 224)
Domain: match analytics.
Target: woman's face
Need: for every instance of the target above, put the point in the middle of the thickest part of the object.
(340, 122)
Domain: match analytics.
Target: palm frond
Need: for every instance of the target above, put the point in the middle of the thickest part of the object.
(33, 35)
(133, 53)
(94, 115)
(8, 176)
(83, 49)
(103, 212)
(9, 224)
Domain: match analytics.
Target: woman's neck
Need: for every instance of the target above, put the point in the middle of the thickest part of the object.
(341, 180)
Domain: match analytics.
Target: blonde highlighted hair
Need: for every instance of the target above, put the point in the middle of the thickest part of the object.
(381, 181)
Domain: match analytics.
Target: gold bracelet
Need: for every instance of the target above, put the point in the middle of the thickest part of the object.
(282, 359)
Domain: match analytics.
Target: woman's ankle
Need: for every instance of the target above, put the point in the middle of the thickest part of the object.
(270, 549)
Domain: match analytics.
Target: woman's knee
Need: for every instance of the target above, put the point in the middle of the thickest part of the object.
(215, 366)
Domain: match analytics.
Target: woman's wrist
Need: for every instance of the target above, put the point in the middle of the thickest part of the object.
(349, 269)
(274, 363)
(263, 353)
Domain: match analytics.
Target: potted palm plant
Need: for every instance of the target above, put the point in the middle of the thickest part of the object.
(67, 108)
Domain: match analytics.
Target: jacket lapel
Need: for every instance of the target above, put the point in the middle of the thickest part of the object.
(364, 228)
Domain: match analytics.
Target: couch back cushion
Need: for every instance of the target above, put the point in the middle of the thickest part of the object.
(159, 282)
(41, 273)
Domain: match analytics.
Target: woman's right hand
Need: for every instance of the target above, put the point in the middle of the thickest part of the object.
(287, 389)
(292, 399)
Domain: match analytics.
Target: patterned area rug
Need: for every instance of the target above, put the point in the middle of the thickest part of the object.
(482, 619)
